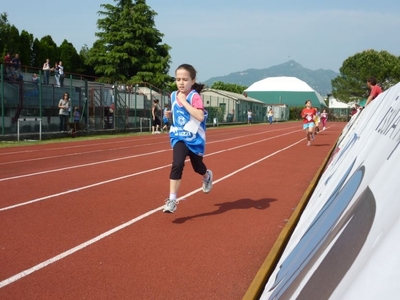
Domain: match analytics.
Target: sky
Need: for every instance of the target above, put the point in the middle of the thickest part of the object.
(219, 37)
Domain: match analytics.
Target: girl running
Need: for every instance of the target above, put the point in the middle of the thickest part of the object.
(308, 113)
(187, 133)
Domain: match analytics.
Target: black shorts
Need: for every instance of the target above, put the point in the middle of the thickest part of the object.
(179, 153)
(156, 121)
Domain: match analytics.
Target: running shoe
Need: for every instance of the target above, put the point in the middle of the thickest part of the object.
(170, 206)
(207, 185)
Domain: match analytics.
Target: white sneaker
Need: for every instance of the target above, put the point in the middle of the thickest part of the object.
(309, 143)
(323, 128)
(157, 132)
(207, 185)
(170, 206)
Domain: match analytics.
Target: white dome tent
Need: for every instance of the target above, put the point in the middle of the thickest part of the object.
(284, 90)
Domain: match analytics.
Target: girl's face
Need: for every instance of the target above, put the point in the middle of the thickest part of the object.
(183, 81)
(308, 104)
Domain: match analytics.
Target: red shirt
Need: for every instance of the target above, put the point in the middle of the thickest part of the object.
(7, 59)
(375, 91)
(308, 114)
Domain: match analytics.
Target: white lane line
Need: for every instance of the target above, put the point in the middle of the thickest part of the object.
(84, 165)
(82, 188)
(123, 158)
(56, 258)
(123, 177)
(126, 139)
(69, 146)
(75, 154)
(107, 150)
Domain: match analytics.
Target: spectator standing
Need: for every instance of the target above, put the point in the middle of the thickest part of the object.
(270, 116)
(61, 72)
(187, 133)
(46, 71)
(64, 106)
(249, 116)
(56, 70)
(8, 64)
(156, 122)
(375, 89)
(16, 67)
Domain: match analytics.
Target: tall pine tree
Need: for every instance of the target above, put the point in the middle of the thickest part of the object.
(129, 47)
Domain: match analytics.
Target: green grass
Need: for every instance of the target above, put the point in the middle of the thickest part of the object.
(5, 144)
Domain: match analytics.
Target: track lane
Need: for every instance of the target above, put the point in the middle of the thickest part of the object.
(216, 227)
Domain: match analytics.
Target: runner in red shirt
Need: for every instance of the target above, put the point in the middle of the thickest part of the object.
(308, 115)
(375, 89)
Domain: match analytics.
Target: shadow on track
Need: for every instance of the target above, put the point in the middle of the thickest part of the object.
(227, 206)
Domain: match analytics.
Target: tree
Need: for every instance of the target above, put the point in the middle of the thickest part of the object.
(4, 24)
(43, 49)
(69, 56)
(128, 48)
(25, 52)
(36, 61)
(350, 85)
(12, 40)
(229, 87)
(84, 58)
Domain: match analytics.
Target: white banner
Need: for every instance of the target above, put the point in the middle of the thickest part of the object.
(347, 242)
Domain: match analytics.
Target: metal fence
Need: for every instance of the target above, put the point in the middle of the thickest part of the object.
(24, 100)
(102, 106)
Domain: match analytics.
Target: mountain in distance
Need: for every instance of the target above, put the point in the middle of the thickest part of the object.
(319, 80)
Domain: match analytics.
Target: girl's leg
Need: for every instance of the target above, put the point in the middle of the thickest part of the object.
(198, 165)
(200, 168)
(180, 151)
(308, 134)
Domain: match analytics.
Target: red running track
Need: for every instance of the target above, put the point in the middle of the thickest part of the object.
(83, 219)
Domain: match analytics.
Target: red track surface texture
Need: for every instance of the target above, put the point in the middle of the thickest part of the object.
(83, 219)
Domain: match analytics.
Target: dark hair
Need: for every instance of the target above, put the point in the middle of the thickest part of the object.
(192, 71)
(371, 80)
(307, 101)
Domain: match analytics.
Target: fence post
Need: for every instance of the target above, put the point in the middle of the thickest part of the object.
(40, 93)
(70, 93)
(136, 88)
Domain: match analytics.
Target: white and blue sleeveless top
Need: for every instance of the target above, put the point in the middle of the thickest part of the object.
(186, 128)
